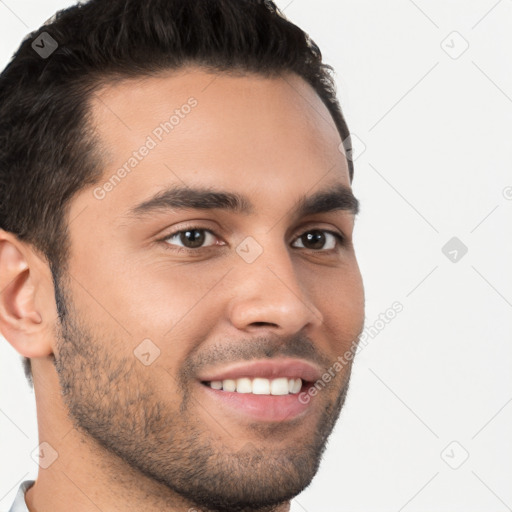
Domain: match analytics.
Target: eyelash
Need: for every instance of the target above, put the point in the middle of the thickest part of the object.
(177, 249)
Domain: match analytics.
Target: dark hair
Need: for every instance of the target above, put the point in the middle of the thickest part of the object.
(48, 150)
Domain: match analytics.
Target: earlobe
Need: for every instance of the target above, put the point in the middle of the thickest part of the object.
(22, 324)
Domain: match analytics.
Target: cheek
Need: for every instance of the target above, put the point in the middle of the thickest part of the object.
(173, 305)
(339, 295)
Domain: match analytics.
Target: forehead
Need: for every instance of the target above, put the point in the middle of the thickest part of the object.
(229, 131)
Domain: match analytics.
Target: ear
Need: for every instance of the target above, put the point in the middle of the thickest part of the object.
(27, 301)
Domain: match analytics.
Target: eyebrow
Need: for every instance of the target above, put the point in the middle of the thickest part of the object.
(333, 198)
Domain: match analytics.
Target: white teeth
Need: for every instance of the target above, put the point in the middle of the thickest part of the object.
(244, 385)
(259, 386)
(297, 386)
(228, 385)
(279, 387)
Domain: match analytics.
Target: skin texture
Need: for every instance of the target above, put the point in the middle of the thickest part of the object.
(135, 437)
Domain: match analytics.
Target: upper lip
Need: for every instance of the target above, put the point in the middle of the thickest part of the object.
(266, 368)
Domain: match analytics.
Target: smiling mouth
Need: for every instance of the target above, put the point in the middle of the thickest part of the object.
(260, 386)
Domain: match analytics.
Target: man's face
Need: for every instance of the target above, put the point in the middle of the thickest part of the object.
(270, 293)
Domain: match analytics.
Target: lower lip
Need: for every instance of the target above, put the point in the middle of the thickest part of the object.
(270, 408)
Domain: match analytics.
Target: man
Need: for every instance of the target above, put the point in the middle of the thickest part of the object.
(176, 258)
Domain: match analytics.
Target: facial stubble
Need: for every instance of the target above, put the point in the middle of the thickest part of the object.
(112, 400)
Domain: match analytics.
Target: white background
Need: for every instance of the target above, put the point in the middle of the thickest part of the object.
(434, 162)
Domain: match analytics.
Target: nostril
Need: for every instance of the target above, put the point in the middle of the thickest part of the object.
(264, 324)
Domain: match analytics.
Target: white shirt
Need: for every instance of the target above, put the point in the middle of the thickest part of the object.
(19, 504)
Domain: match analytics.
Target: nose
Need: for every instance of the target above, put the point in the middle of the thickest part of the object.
(268, 293)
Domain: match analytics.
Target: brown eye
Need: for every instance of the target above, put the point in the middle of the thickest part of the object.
(191, 238)
(317, 240)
